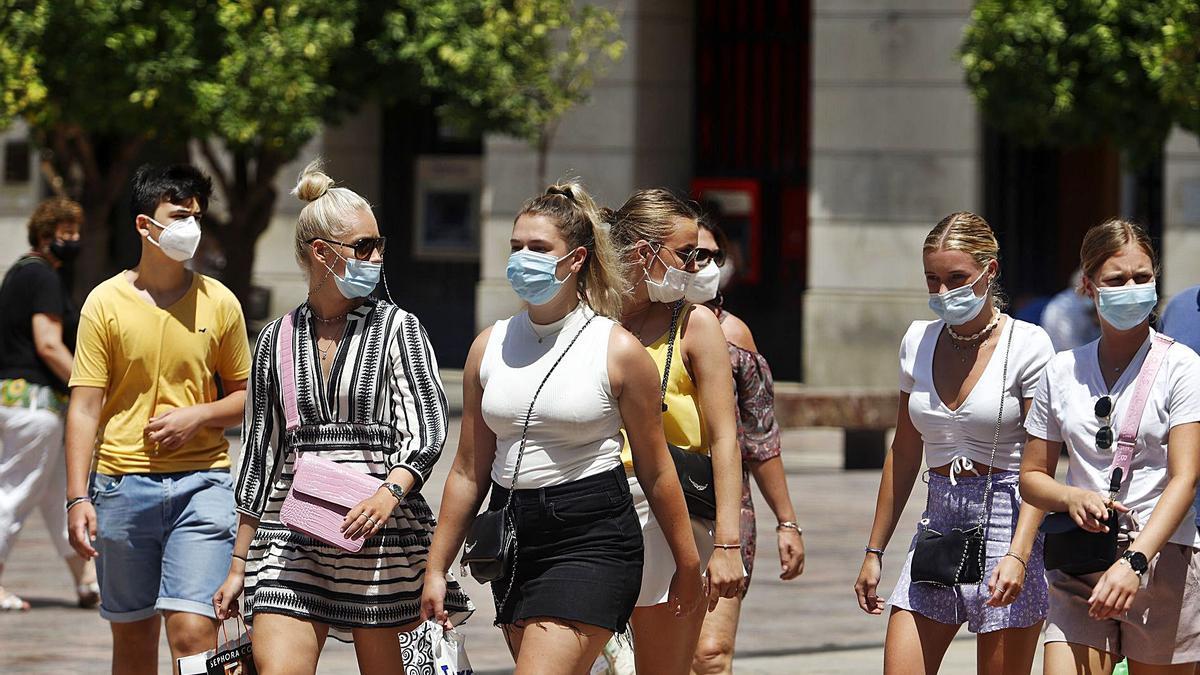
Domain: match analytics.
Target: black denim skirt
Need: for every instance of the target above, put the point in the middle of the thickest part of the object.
(579, 553)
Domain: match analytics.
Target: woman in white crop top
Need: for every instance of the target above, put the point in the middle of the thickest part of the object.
(958, 376)
(1145, 606)
(579, 553)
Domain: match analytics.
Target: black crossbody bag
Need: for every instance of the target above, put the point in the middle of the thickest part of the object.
(959, 556)
(695, 470)
(491, 543)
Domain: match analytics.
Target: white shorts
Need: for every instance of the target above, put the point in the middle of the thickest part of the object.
(659, 565)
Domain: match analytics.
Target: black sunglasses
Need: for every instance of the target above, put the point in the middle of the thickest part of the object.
(1104, 409)
(704, 256)
(363, 248)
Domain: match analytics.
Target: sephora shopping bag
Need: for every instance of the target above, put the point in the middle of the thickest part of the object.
(429, 650)
(231, 657)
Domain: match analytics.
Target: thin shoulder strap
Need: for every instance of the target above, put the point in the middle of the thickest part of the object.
(1127, 440)
(287, 370)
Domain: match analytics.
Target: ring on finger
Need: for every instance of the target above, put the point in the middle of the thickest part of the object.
(363, 515)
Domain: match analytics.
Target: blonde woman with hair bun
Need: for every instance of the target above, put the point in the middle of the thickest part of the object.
(368, 396)
(967, 380)
(1144, 605)
(545, 396)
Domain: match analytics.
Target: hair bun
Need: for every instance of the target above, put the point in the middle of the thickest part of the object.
(313, 183)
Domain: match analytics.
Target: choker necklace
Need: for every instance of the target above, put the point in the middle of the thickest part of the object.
(332, 319)
(971, 338)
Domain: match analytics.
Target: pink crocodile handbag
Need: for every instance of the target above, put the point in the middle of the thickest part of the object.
(322, 491)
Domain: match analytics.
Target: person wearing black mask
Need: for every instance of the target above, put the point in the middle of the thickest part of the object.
(38, 321)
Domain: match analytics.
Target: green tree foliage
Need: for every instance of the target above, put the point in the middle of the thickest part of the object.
(1069, 73)
(516, 65)
(249, 82)
(21, 24)
(1173, 60)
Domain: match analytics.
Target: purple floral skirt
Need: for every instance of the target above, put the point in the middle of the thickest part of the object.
(962, 506)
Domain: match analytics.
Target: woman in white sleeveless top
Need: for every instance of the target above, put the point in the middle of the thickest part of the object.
(579, 546)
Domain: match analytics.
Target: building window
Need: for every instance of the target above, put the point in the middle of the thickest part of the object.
(16, 162)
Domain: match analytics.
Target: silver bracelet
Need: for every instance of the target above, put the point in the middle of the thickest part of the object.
(78, 500)
(789, 525)
(876, 551)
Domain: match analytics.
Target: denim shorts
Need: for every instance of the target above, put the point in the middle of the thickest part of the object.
(164, 541)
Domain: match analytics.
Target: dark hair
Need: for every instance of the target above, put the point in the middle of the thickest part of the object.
(710, 214)
(153, 185)
(49, 214)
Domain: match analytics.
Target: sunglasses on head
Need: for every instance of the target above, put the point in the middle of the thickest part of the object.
(363, 248)
(1103, 410)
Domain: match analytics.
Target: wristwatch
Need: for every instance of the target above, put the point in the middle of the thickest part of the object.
(1137, 561)
(396, 490)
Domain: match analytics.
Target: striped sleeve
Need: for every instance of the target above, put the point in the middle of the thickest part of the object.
(418, 402)
(262, 428)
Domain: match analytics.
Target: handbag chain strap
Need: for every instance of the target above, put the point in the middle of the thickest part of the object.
(986, 518)
(512, 577)
(666, 377)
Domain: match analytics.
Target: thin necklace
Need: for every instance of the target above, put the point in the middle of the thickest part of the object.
(645, 314)
(331, 320)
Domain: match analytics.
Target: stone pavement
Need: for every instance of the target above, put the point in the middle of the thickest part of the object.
(811, 625)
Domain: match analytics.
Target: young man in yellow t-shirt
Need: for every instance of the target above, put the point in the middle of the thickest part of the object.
(158, 516)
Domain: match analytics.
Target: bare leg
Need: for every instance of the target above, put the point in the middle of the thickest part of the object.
(135, 647)
(556, 647)
(1007, 652)
(915, 644)
(714, 654)
(663, 643)
(189, 633)
(1067, 658)
(285, 645)
(378, 650)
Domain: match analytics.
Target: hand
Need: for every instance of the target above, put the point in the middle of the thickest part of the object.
(1008, 578)
(725, 577)
(226, 598)
(433, 595)
(687, 591)
(1089, 510)
(173, 428)
(868, 582)
(369, 516)
(81, 529)
(1113, 594)
(791, 554)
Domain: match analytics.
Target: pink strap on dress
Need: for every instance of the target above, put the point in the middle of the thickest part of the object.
(287, 371)
(1127, 441)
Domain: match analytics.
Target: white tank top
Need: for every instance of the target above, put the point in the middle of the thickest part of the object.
(575, 429)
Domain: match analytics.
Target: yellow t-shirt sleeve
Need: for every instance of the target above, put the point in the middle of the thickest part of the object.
(91, 368)
(233, 358)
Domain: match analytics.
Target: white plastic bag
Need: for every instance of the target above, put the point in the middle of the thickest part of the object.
(429, 650)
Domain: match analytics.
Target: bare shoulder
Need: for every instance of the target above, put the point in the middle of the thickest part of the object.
(701, 327)
(623, 346)
(738, 333)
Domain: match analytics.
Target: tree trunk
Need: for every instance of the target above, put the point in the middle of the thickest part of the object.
(250, 193)
(103, 165)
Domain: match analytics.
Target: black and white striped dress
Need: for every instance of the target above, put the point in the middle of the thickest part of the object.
(382, 407)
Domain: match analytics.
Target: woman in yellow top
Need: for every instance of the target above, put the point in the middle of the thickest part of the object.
(656, 233)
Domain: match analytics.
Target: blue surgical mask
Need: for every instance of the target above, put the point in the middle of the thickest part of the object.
(1125, 307)
(533, 275)
(960, 305)
(362, 276)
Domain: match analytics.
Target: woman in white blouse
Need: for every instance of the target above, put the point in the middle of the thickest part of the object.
(1146, 605)
(966, 381)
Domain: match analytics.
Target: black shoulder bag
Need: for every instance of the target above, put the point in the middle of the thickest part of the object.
(959, 556)
(491, 542)
(695, 470)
